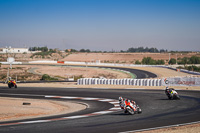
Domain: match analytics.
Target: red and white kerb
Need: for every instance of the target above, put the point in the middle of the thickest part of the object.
(111, 101)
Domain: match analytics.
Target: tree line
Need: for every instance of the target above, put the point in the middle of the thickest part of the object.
(130, 50)
(185, 60)
(172, 61)
(150, 61)
(43, 49)
(142, 49)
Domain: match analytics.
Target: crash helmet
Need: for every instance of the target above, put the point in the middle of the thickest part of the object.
(120, 98)
(167, 88)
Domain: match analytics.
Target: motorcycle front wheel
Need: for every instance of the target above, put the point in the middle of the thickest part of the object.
(130, 111)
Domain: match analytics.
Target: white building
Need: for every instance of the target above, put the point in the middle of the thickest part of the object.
(14, 50)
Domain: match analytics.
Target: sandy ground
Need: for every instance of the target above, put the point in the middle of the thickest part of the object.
(123, 57)
(65, 72)
(62, 72)
(13, 108)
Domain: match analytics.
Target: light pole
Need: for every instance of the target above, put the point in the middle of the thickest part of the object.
(169, 58)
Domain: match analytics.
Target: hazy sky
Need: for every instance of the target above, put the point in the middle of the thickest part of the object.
(101, 24)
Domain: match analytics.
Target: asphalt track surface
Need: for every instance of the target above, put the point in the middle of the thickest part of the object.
(157, 110)
(139, 73)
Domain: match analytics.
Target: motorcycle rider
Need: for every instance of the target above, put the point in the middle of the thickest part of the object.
(123, 102)
(11, 82)
(171, 92)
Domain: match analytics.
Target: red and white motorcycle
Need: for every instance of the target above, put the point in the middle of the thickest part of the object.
(129, 107)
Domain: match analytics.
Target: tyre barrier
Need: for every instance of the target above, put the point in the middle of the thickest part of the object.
(135, 82)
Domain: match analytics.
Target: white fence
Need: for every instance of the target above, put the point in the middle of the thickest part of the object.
(135, 82)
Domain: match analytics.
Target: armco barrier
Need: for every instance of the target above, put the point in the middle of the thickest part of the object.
(135, 82)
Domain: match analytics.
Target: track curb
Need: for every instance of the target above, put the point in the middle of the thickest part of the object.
(114, 102)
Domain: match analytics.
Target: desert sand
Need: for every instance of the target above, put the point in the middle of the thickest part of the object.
(13, 108)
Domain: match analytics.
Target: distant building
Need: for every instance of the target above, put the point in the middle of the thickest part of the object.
(14, 50)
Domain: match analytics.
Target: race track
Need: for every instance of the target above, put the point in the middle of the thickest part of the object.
(157, 110)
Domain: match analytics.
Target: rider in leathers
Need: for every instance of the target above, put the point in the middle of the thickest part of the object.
(122, 102)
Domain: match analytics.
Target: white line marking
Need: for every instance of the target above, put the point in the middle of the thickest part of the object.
(49, 96)
(115, 109)
(75, 117)
(114, 102)
(70, 97)
(38, 121)
(102, 112)
(89, 98)
(106, 100)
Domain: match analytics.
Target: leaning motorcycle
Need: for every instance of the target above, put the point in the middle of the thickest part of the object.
(12, 83)
(130, 108)
(133, 110)
(172, 94)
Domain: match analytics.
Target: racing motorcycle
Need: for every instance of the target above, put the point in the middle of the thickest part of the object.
(12, 83)
(171, 93)
(129, 107)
